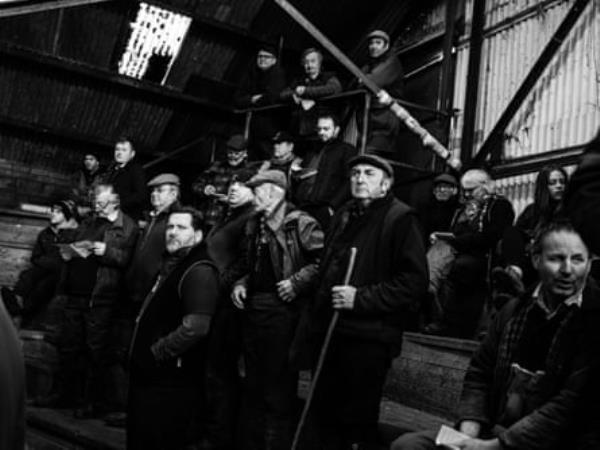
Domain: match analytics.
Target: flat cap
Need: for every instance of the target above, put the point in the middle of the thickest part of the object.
(282, 136)
(379, 34)
(268, 48)
(164, 178)
(374, 161)
(275, 177)
(237, 142)
(445, 178)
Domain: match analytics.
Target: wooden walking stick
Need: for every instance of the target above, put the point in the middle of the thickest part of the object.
(411, 123)
(315, 377)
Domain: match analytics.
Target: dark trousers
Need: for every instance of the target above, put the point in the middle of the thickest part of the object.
(223, 382)
(348, 393)
(271, 384)
(421, 440)
(84, 351)
(463, 294)
(161, 418)
(37, 286)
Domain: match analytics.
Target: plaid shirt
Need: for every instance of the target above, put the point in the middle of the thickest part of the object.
(220, 175)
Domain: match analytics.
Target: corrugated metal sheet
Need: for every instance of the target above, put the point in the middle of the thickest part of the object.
(564, 107)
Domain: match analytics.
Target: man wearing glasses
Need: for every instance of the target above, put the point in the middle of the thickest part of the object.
(90, 282)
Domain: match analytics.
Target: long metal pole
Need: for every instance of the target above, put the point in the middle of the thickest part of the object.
(411, 123)
(21, 8)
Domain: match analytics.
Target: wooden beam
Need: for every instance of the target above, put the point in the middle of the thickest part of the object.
(493, 143)
(10, 9)
(533, 163)
(152, 92)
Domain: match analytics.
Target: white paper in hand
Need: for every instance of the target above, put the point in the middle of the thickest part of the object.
(448, 437)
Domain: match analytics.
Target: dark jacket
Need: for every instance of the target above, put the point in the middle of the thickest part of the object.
(330, 185)
(162, 313)
(225, 244)
(85, 182)
(481, 234)
(149, 249)
(325, 84)
(120, 237)
(390, 272)
(555, 410)
(130, 184)
(45, 253)
(294, 248)
(387, 73)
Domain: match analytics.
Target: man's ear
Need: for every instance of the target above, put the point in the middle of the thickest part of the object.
(535, 260)
(198, 235)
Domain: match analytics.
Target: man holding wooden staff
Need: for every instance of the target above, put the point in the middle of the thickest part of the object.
(388, 280)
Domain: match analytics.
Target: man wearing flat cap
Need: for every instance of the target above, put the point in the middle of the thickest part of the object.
(261, 87)
(283, 158)
(282, 245)
(212, 185)
(388, 281)
(385, 70)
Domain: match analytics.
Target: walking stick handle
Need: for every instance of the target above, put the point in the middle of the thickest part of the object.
(315, 378)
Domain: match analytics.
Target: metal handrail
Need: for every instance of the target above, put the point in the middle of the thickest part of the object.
(344, 94)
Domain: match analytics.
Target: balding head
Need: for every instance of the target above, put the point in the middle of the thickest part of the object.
(476, 183)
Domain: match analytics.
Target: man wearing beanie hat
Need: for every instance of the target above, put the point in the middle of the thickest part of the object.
(261, 86)
(388, 281)
(86, 179)
(212, 185)
(282, 245)
(35, 286)
(385, 70)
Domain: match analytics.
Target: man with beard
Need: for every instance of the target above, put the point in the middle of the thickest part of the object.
(385, 70)
(322, 182)
(282, 246)
(168, 350)
(283, 158)
(212, 185)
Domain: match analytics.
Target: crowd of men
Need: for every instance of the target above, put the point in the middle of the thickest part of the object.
(196, 321)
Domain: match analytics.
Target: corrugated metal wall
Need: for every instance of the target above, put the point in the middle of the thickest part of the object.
(563, 109)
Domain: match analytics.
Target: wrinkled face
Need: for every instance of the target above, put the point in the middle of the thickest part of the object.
(236, 157)
(239, 194)
(57, 216)
(327, 129)
(444, 192)
(556, 185)
(90, 163)
(377, 47)
(267, 196)
(180, 233)
(282, 150)
(473, 188)
(368, 182)
(312, 64)
(124, 152)
(163, 196)
(265, 60)
(563, 265)
(105, 204)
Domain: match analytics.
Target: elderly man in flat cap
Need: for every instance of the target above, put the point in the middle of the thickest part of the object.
(282, 246)
(385, 70)
(388, 281)
(212, 185)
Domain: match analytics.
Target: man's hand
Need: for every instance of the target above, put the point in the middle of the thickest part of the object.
(255, 98)
(238, 296)
(99, 248)
(210, 190)
(285, 290)
(300, 90)
(470, 428)
(479, 444)
(342, 297)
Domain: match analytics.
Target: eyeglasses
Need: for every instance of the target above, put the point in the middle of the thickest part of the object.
(102, 205)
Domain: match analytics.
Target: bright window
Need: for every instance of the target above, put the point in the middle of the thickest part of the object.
(155, 40)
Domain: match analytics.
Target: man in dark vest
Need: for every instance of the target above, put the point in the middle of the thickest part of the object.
(388, 281)
(168, 348)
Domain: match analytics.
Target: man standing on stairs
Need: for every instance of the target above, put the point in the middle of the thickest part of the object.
(388, 281)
